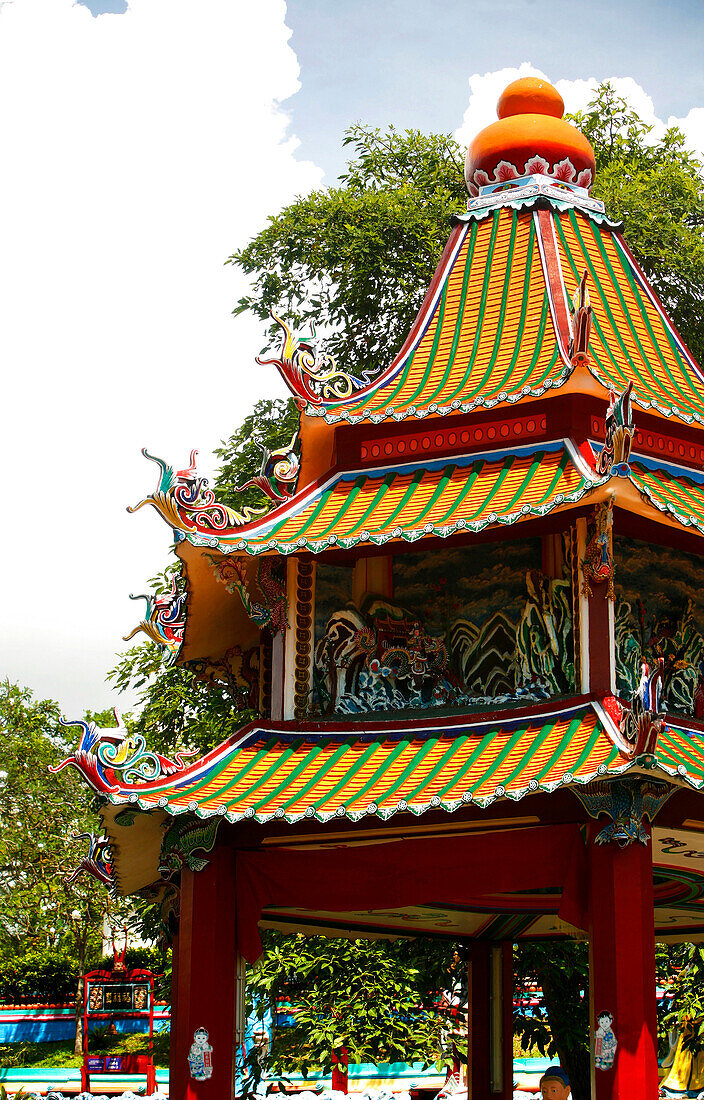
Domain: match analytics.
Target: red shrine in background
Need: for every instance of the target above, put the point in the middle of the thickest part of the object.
(472, 626)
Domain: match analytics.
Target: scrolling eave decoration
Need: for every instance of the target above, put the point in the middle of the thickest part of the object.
(187, 503)
(164, 620)
(98, 861)
(278, 473)
(312, 376)
(581, 325)
(619, 428)
(111, 758)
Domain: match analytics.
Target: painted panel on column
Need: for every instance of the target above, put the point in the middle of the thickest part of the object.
(200, 1056)
(605, 1042)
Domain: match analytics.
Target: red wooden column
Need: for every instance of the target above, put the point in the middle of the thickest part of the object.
(622, 967)
(204, 986)
(490, 1021)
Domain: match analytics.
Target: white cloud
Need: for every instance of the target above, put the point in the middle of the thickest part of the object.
(138, 151)
(485, 89)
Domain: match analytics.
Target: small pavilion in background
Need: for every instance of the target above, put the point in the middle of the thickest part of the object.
(472, 626)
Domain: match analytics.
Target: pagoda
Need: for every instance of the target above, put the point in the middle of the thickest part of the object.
(472, 626)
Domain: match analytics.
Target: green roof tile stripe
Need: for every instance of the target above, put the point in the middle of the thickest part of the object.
(335, 770)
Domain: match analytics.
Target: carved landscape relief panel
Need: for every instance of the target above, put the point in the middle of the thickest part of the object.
(468, 627)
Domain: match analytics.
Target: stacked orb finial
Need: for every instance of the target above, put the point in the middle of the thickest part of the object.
(530, 138)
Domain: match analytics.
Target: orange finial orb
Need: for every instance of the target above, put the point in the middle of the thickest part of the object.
(531, 138)
(531, 95)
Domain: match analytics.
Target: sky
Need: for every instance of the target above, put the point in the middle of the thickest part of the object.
(142, 142)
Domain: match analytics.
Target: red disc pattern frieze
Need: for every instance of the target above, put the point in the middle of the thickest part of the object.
(417, 443)
(304, 637)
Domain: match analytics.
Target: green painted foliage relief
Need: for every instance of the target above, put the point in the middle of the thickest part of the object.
(659, 613)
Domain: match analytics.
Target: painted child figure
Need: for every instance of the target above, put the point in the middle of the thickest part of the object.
(555, 1084)
(200, 1056)
(605, 1042)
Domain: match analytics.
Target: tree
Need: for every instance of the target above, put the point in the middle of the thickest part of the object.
(365, 996)
(42, 912)
(560, 1024)
(657, 189)
(356, 259)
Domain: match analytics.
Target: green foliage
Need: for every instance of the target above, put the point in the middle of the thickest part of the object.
(657, 189)
(42, 975)
(137, 958)
(356, 259)
(36, 850)
(560, 1025)
(365, 995)
(683, 966)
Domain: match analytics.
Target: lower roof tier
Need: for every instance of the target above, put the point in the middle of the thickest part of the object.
(361, 775)
(322, 771)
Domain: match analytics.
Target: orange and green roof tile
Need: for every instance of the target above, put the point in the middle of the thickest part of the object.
(337, 770)
(403, 503)
(488, 335)
(674, 490)
(484, 338)
(632, 339)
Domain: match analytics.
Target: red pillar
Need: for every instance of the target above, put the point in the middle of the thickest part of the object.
(622, 967)
(340, 1069)
(490, 1021)
(204, 989)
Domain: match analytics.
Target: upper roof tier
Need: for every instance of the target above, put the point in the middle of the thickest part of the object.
(499, 323)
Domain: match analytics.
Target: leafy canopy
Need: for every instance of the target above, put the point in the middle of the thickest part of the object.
(656, 188)
(364, 995)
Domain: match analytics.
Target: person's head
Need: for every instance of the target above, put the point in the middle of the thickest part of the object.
(605, 1020)
(554, 1084)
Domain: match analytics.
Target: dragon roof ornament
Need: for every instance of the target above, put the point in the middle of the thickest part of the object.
(278, 473)
(187, 503)
(313, 377)
(164, 620)
(110, 758)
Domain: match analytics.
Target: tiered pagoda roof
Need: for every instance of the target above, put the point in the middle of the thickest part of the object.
(537, 333)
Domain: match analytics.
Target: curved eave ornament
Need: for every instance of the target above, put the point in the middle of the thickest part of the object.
(164, 620)
(111, 758)
(188, 504)
(312, 376)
